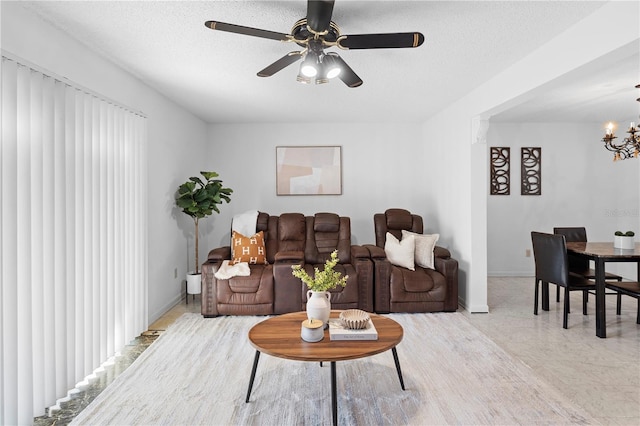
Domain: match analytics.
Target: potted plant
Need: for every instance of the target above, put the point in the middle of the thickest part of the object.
(624, 240)
(199, 199)
(318, 295)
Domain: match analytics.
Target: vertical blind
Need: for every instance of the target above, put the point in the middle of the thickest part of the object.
(73, 253)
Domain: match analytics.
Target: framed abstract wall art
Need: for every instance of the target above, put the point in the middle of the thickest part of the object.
(309, 170)
(531, 171)
(500, 171)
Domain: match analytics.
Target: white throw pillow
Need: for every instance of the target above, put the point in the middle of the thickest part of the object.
(400, 253)
(424, 248)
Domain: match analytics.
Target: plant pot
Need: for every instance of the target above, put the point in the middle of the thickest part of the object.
(319, 306)
(624, 242)
(194, 282)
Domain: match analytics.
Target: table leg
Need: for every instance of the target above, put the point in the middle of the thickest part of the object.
(397, 361)
(334, 396)
(253, 375)
(601, 320)
(637, 279)
(545, 295)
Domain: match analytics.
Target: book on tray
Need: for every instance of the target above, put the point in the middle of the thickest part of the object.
(337, 331)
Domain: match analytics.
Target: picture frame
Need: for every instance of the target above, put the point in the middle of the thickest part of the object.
(500, 170)
(531, 171)
(309, 170)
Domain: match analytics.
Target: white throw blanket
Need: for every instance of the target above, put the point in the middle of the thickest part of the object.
(227, 270)
(245, 223)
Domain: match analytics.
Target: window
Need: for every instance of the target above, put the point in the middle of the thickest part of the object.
(73, 252)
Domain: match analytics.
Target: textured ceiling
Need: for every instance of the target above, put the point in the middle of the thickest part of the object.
(213, 74)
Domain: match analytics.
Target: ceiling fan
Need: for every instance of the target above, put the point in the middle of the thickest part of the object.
(314, 34)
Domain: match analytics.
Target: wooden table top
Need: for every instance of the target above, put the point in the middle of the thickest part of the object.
(280, 337)
(603, 250)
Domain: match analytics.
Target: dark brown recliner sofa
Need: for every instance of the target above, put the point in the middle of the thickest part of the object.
(399, 289)
(290, 239)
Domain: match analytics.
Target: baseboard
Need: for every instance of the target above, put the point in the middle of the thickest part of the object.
(153, 317)
(474, 309)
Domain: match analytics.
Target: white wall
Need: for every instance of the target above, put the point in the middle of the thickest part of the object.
(581, 186)
(382, 167)
(467, 163)
(448, 136)
(176, 138)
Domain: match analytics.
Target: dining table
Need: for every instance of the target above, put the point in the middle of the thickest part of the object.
(601, 253)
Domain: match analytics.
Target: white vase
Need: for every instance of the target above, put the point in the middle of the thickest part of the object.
(624, 242)
(319, 306)
(194, 283)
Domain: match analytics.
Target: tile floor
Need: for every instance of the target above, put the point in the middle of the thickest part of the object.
(602, 376)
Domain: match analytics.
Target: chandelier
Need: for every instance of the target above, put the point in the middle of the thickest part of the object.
(629, 146)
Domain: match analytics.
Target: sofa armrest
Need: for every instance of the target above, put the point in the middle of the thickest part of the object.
(209, 298)
(381, 268)
(441, 252)
(363, 265)
(449, 268)
(209, 283)
(359, 252)
(219, 254)
(375, 252)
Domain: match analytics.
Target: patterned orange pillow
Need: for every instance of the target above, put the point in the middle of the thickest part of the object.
(248, 249)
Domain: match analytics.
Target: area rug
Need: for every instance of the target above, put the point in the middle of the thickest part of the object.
(197, 373)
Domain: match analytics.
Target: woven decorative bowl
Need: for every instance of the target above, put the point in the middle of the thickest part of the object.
(354, 319)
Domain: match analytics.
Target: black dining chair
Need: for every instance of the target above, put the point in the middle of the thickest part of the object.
(552, 266)
(629, 288)
(578, 265)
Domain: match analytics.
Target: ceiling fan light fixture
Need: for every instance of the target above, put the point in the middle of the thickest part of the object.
(322, 77)
(301, 78)
(309, 66)
(308, 70)
(331, 67)
(315, 33)
(333, 72)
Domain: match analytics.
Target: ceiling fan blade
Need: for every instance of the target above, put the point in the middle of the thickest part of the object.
(281, 63)
(381, 41)
(239, 29)
(319, 14)
(347, 75)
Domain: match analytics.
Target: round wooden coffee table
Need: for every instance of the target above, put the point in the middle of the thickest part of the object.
(280, 337)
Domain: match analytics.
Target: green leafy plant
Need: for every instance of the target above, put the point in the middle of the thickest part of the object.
(625, 234)
(322, 280)
(199, 199)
